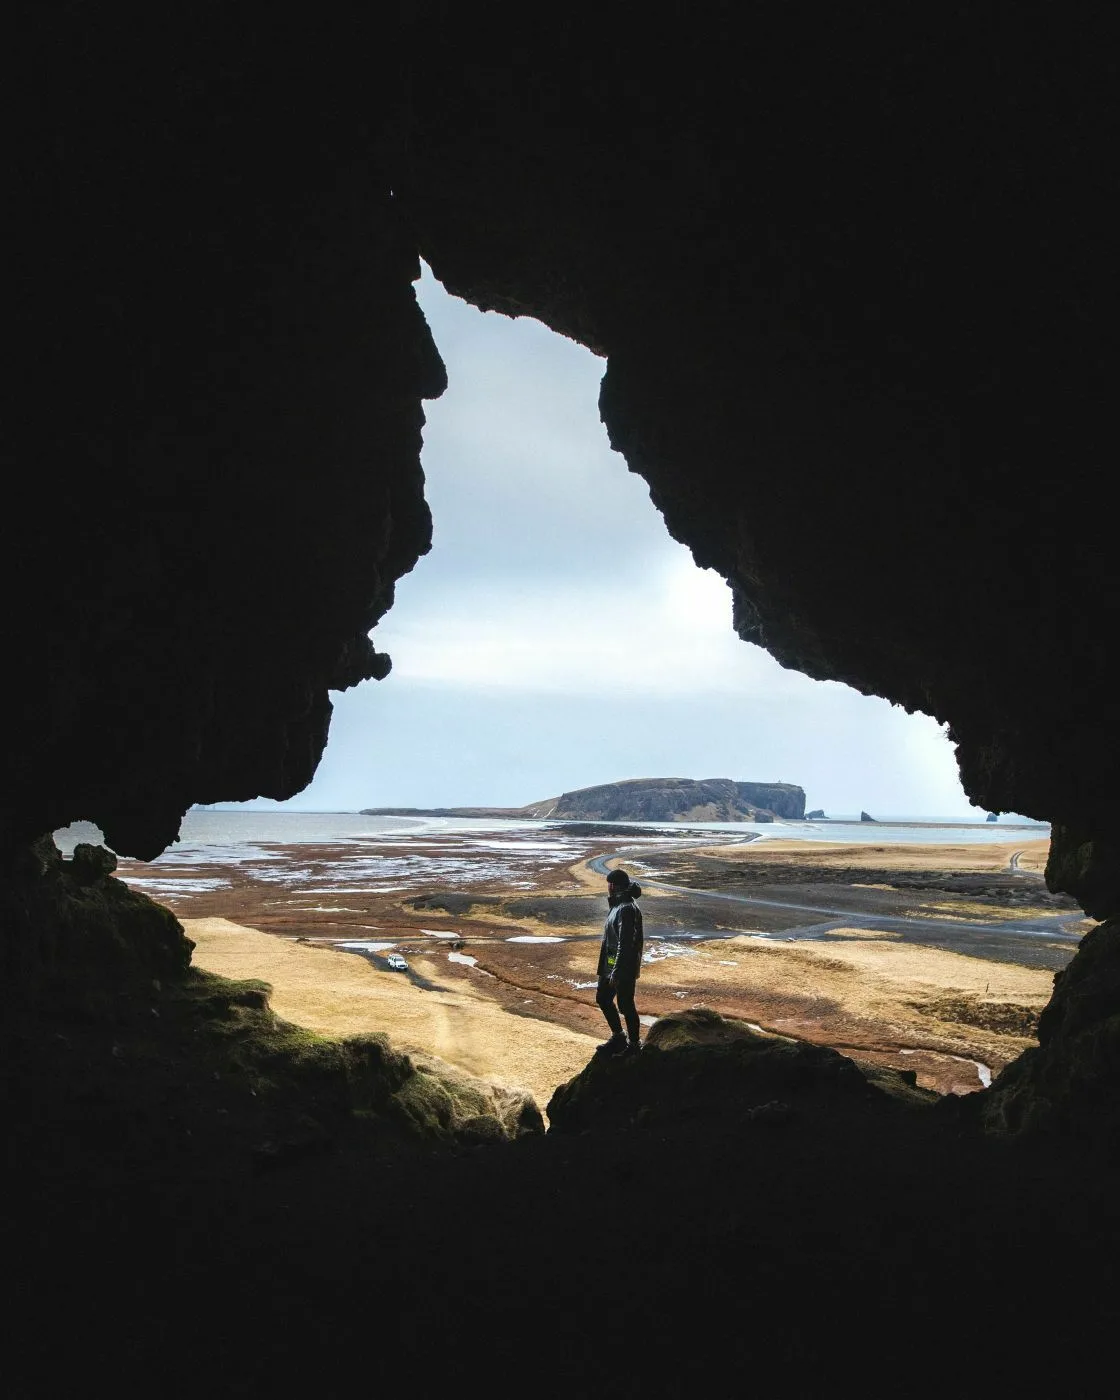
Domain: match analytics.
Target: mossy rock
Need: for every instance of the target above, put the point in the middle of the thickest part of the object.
(362, 1076)
(73, 937)
(698, 1065)
(80, 949)
(700, 1025)
(1065, 1088)
(442, 1103)
(901, 1084)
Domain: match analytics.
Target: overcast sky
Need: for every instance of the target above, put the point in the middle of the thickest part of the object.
(556, 636)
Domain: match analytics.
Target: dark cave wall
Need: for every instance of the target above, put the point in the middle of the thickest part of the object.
(850, 282)
(218, 419)
(854, 283)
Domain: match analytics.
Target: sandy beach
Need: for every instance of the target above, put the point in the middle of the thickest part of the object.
(933, 958)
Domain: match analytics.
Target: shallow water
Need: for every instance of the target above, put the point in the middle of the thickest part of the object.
(333, 858)
(229, 835)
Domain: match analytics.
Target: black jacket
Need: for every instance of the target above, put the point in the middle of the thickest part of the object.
(621, 951)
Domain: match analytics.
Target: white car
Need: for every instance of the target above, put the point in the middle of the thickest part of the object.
(397, 963)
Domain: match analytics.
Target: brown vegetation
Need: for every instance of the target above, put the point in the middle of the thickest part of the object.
(522, 1014)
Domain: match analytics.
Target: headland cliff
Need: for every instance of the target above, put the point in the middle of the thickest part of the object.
(645, 800)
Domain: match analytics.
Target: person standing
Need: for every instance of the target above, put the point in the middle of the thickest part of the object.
(620, 964)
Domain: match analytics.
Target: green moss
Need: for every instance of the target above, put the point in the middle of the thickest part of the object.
(360, 1076)
(91, 963)
(701, 1026)
(454, 1108)
(427, 1105)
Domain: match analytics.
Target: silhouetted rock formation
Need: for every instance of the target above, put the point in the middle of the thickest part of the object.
(866, 817)
(701, 1063)
(1058, 1087)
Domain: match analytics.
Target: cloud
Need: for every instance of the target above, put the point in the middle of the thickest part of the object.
(665, 634)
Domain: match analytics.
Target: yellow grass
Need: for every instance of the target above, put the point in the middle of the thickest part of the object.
(901, 965)
(992, 857)
(975, 911)
(340, 994)
(874, 980)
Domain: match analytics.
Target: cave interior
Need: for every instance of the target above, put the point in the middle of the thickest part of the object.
(853, 281)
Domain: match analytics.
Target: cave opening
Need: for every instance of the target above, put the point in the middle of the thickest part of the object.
(556, 636)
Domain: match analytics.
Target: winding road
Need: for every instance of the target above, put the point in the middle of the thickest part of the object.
(1050, 927)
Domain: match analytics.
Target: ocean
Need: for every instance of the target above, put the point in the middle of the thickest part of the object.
(206, 831)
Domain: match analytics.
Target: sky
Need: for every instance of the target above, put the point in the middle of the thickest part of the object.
(557, 637)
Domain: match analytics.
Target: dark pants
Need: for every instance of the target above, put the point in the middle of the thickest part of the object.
(624, 993)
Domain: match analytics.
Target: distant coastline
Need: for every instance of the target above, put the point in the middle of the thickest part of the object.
(643, 800)
(521, 814)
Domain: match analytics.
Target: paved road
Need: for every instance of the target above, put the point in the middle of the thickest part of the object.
(1050, 927)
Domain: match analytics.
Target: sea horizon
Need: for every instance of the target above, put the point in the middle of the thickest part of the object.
(206, 827)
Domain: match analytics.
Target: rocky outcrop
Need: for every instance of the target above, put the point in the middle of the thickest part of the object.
(866, 817)
(678, 799)
(1064, 1085)
(102, 973)
(75, 939)
(701, 1064)
(644, 800)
